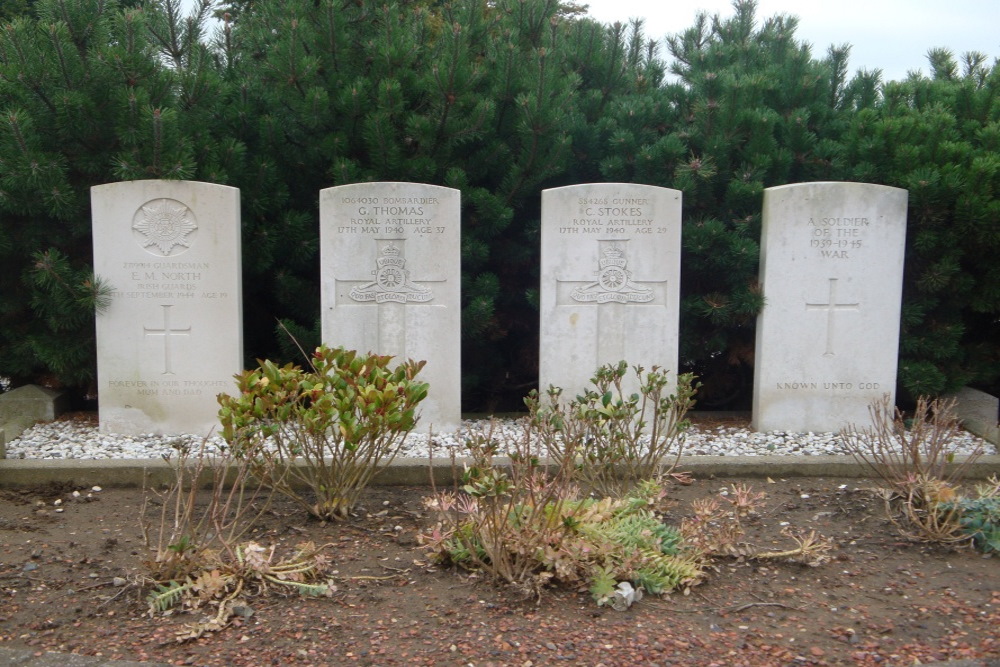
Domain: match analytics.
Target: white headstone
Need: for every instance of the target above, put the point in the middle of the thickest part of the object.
(610, 279)
(390, 256)
(172, 338)
(831, 266)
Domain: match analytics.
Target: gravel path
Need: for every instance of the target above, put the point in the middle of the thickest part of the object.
(81, 440)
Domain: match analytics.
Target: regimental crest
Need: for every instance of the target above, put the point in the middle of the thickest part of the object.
(614, 282)
(162, 225)
(392, 281)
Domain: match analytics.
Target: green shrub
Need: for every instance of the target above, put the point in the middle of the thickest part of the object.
(981, 521)
(619, 439)
(329, 429)
(529, 529)
(979, 517)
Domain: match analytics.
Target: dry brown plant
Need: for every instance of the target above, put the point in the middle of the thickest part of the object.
(500, 518)
(193, 521)
(917, 464)
(716, 528)
(900, 454)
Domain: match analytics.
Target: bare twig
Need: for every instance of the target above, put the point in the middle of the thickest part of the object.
(115, 596)
(899, 454)
(725, 610)
(748, 605)
(188, 528)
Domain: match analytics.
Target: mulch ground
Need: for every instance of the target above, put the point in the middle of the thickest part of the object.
(883, 600)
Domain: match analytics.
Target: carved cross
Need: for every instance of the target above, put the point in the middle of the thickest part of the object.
(392, 290)
(831, 307)
(611, 291)
(167, 332)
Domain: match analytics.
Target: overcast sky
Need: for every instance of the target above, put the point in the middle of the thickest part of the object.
(891, 35)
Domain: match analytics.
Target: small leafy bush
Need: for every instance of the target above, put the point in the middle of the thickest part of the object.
(529, 536)
(619, 439)
(329, 429)
(530, 530)
(506, 520)
(981, 521)
(526, 523)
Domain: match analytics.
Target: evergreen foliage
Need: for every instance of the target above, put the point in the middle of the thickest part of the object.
(939, 138)
(79, 89)
(500, 100)
(11, 9)
(469, 96)
(88, 98)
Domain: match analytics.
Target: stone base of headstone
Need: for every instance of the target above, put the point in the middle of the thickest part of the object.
(979, 413)
(20, 408)
(38, 403)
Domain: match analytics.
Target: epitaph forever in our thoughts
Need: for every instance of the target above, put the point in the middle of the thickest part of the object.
(172, 338)
(390, 282)
(610, 280)
(831, 266)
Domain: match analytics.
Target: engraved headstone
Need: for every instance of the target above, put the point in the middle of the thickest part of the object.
(831, 267)
(172, 338)
(391, 282)
(610, 280)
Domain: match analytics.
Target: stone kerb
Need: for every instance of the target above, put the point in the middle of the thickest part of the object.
(172, 338)
(831, 267)
(979, 412)
(390, 258)
(610, 275)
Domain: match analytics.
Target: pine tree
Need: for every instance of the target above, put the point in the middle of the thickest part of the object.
(469, 95)
(749, 108)
(499, 99)
(85, 101)
(12, 9)
(939, 138)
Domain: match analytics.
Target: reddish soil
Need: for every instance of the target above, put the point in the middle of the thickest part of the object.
(881, 601)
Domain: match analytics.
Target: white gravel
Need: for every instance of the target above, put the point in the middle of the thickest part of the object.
(77, 440)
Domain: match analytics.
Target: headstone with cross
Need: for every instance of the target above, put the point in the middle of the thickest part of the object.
(171, 339)
(831, 272)
(390, 282)
(610, 275)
